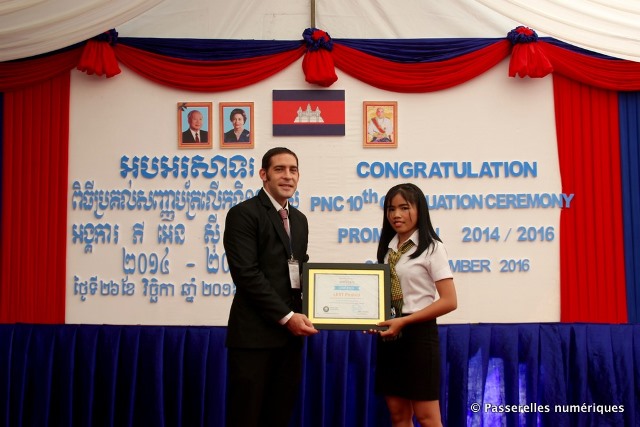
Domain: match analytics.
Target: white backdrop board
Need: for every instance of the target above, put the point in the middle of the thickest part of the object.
(162, 266)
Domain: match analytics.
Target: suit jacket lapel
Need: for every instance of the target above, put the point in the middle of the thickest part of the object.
(276, 220)
(296, 227)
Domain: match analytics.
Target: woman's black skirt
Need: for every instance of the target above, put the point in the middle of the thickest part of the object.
(409, 366)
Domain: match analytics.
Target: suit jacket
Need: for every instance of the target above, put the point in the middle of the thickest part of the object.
(257, 249)
(230, 136)
(187, 136)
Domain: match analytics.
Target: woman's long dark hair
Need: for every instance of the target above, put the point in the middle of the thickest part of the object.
(426, 234)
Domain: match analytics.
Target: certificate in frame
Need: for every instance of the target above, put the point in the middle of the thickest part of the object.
(346, 296)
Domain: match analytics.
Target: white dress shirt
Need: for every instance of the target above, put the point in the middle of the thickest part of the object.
(418, 276)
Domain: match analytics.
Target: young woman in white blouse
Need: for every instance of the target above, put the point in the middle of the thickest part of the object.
(408, 359)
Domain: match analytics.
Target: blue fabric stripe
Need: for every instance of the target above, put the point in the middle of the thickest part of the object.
(210, 49)
(434, 50)
(397, 50)
(577, 49)
(308, 95)
(306, 130)
(629, 106)
(417, 50)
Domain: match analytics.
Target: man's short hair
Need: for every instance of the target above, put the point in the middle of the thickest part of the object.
(266, 159)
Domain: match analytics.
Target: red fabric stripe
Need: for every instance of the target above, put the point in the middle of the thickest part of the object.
(616, 75)
(19, 74)
(421, 77)
(592, 283)
(204, 76)
(285, 112)
(34, 217)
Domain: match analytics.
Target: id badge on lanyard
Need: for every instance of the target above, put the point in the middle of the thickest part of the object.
(294, 272)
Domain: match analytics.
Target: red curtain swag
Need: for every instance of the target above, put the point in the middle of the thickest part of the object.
(535, 59)
(204, 76)
(22, 74)
(611, 74)
(418, 77)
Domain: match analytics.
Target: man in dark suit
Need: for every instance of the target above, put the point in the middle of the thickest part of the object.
(265, 330)
(195, 134)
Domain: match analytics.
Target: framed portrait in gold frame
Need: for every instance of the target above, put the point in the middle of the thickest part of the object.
(194, 121)
(236, 125)
(380, 123)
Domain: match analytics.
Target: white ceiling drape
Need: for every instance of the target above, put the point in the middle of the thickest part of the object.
(611, 27)
(31, 27)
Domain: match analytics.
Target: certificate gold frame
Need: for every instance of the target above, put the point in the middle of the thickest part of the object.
(346, 296)
(380, 124)
(227, 111)
(185, 111)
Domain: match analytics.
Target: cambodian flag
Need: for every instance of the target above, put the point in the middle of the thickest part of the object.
(308, 112)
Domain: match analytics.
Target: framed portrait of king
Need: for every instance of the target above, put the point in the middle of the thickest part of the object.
(194, 121)
(380, 124)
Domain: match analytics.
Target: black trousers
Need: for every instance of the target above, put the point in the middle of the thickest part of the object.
(263, 385)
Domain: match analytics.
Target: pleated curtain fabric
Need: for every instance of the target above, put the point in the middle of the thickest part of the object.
(592, 268)
(630, 164)
(34, 202)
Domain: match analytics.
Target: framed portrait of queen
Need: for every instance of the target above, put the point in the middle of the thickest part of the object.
(380, 124)
(236, 125)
